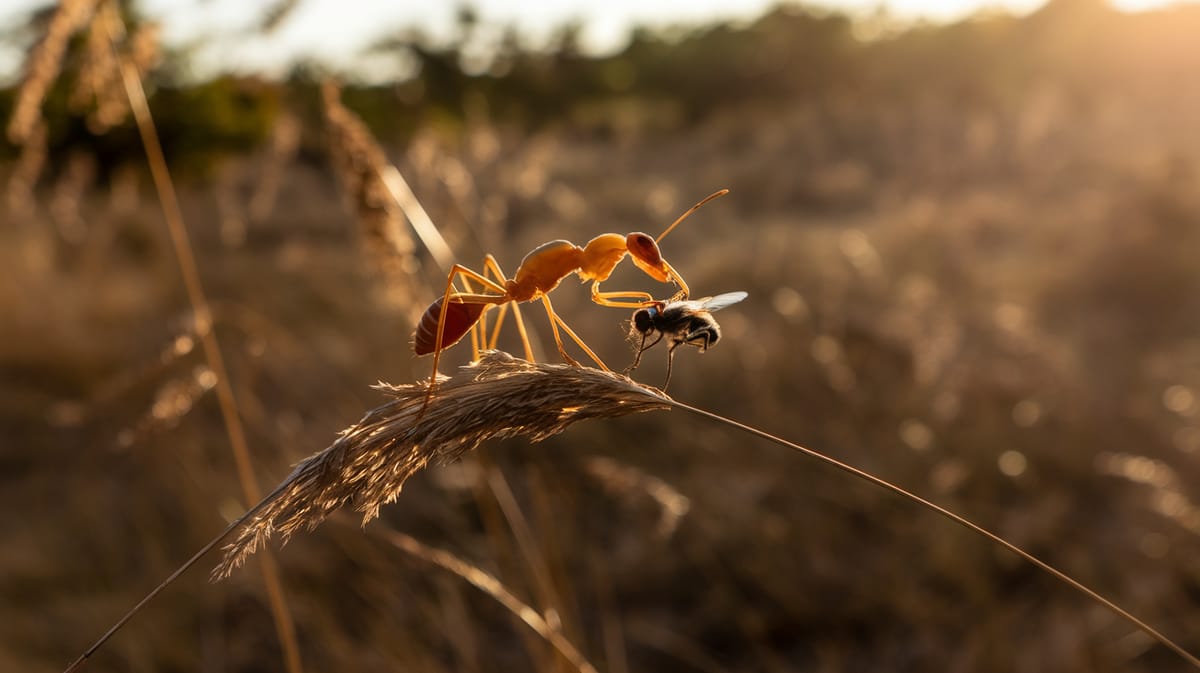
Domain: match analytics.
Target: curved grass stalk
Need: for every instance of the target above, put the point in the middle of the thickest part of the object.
(499, 396)
(493, 587)
(958, 519)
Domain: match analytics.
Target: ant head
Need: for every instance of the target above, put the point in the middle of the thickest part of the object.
(647, 256)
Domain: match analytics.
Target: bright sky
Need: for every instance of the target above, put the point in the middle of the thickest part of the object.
(334, 31)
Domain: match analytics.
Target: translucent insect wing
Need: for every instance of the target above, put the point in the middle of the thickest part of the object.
(722, 300)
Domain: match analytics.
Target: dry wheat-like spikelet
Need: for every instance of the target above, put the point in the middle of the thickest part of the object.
(43, 66)
(99, 90)
(500, 396)
(360, 162)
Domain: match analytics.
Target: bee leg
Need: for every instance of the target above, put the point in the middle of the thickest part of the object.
(637, 359)
(642, 348)
(692, 339)
(670, 361)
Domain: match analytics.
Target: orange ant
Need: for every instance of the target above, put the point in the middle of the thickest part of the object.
(448, 319)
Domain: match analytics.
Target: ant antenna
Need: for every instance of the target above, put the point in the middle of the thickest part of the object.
(691, 210)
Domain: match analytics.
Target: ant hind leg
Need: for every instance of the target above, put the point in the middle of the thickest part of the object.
(555, 323)
(491, 265)
(457, 271)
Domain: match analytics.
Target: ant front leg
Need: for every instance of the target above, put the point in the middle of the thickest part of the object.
(643, 299)
(452, 295)
(555, 323)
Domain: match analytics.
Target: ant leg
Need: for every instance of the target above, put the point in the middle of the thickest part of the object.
(490, 344)
(456, 271)
(475, 341)
(484, 343)
(644, 299)
(555, 323)
(490, 264)
(522, 332)
(554, 330)
(479, 332)
(479, 329)
(683, 292)
(579, 342)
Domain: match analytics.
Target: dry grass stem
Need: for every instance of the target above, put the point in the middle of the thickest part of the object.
(493, 587)
(98, 89)
(533, 555)
(500, 396)
(202, 315)
(285, 143)
(624, 480)
(419, 219)
(960, 520)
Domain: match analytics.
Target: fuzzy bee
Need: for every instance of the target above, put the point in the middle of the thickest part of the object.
(680, 322)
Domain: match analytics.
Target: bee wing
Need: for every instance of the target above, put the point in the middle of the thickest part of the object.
(722, 300)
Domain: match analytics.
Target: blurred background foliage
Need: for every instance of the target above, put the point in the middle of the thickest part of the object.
(672, 79)
(971, 255)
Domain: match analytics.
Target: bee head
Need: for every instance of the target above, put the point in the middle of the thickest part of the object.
(643, 320)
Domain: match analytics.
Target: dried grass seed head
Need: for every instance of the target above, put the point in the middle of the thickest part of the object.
(43, 65)
(500, 396)
(359, 161)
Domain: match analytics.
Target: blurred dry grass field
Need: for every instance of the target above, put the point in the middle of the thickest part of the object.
(994, 303)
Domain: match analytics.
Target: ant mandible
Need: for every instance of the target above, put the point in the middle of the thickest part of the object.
(448, 319)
